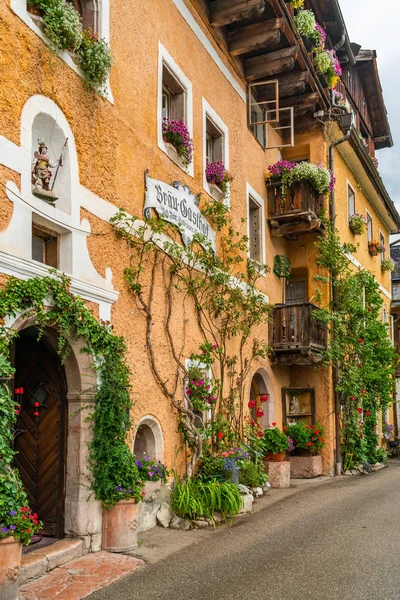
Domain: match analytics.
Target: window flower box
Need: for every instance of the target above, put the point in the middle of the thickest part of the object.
(218, 178)
(176, 134)
(216, 192)
(358, 224)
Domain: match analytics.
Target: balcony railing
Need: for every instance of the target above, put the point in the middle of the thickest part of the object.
(296, 212)
(296, 337)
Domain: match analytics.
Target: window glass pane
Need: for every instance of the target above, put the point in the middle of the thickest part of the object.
(166, 112)
(352, 201)
(254, 230)
(382, 241)
(369, 227)
(38, 249)
(209, 149)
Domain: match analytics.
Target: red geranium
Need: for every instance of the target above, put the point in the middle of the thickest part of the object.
(260, 413)
(359, 410)
(309, 444)
(220, 435)
(251, 404)
(264, 398)
(367, 413)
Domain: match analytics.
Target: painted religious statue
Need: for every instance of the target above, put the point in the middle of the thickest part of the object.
(41, 174)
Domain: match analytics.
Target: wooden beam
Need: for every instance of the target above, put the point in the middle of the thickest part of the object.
(298, 101)
(289, 85)
(254, 36)
(270, 64)
(224, 12)
(296, 228)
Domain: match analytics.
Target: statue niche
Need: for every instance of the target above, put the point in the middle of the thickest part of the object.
(41, 173)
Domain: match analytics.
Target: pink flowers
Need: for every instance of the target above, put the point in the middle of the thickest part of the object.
(177, 134)
(282, 166)
(335, 62)
(322, 33)
(218, 175)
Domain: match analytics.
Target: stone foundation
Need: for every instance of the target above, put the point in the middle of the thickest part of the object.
(155, 493)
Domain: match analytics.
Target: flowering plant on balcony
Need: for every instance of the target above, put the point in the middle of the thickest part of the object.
(357, 224)
(388, 265)
(62, 23)
(218, 175)
(297, 3)
(305, 23)
(327, 63)
(375, 161)
(338, 98)
(177, 134)
(95, 60)
(320, 179)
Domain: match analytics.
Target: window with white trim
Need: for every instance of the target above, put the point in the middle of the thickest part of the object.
(255, 230)
(174, 96)
(370, 231)
(382, 243)
(258, 117)
(351, 200)
(214, 142)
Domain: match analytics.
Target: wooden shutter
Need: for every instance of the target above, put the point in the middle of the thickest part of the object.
(295, 291)
(255, 230)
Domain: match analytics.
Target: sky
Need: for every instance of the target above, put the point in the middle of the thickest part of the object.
(375, 25)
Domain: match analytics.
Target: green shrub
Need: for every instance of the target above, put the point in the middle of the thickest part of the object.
(253, 475)
(193, 498)
(274, 441)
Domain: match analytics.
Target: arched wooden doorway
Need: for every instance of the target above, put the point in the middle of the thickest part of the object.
(41, 438)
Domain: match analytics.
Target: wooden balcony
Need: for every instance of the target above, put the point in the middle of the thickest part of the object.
(295, 213)
(296, 338)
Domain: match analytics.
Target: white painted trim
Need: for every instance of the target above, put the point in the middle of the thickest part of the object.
(383, 255)
(208, 111)
(367, 213)
(205, 42)
(355, 199)
(165, 57)
(251, 192)
(23, 268)
(19, 7)
(357, 264)
(206, 414)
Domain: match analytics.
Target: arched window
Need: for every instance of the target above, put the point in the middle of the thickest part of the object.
(258, 394)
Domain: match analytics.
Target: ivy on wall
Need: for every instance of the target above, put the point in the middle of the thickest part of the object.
(113, 470)
(360, 346)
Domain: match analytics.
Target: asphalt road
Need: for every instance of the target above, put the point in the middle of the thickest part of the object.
(339, 541)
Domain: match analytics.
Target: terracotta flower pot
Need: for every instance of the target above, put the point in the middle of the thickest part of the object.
(120, 525)
(278, 457)
(10, 565)
(373, 250)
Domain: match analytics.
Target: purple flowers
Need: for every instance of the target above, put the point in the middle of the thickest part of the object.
(139, 464)
(218, 175)
(335, 62)
(12, 513)
(291, 444)
(177, 134)
(118, 488)
(321, 32)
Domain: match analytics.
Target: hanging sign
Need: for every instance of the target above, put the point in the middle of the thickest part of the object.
(177, 205)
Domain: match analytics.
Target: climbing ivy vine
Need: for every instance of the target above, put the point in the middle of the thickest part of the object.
(222, 290)
(359, 345)
(49, 299)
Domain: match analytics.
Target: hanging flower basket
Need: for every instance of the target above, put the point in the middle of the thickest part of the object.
(357, 224)
(388, 265)
(373, 247)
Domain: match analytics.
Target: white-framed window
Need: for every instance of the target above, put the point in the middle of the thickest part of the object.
(258, 116)
(175, 102)
(202, 417)
(370, 230)
(382, 241)
(351, 200)
(256, 225)
(215, 147)
(95, 14)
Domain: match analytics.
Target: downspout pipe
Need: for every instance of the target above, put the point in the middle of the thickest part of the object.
(335, 375)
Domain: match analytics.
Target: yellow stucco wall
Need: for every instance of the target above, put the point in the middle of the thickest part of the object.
(117, 142)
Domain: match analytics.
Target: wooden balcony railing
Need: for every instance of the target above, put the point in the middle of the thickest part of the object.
(295, 337)
(296, 212)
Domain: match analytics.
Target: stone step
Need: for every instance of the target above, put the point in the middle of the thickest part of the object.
(40, 561)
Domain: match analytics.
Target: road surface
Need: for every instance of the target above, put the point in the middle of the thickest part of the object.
(338, 541)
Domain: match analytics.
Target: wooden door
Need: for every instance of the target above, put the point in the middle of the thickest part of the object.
(295, 290)
(40, 441)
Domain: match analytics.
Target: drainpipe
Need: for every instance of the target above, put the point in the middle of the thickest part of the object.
(335, 375)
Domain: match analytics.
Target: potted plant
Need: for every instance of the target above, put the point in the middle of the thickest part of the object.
(388, 265)
(357, 224)
(152, 473)
(275, 444)
(373, 247)
(381, 248)
(218, 178)
(306, 444)
(177, 135)
(306, 26)
(120, 519)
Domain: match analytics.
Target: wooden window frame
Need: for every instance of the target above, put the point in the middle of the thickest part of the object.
(51, 248)
(214, 137)
(299, 391)
(253, 197)
(369, 219)
(175, 89)
(382, 241)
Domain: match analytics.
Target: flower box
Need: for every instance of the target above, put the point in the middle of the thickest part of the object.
(278, 457)
(120, 523)
(216, 192)
(357, 224)
(305, 467)
(174, 156)
(278, 473)
(10, 565)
